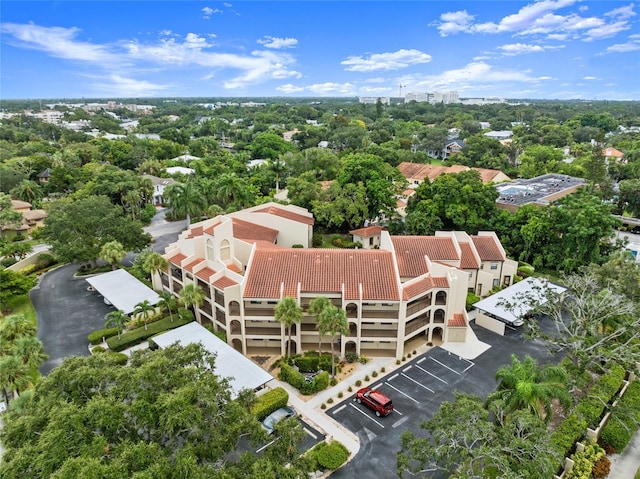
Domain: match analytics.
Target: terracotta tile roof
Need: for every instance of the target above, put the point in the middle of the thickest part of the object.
(420, 172)
(612, 152)
(411, 250)
(34, 215)
(249, 231)
(205, 273)
(368, 231)
(322, 271)
(487, 248)
(234, 268)
(189, 267)
(224, 282)
(284, 213)
(468, 259)
(422, 286)
(177, 259)
(265, 245)
(209, 229)
(195, 231)
(457, 321)
(488, 175)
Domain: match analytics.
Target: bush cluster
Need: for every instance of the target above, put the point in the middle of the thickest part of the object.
(270, 402)
(624, 420)
(297, 380)
(131, 338)
(588, 411)
(96, 336)
(119, 358)
(328, 455)
(311, 362)
(584, 462)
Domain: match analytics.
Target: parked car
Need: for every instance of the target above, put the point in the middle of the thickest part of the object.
(375, 400)
(269, 422)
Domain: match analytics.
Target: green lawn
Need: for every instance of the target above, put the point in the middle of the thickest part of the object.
(22, 305)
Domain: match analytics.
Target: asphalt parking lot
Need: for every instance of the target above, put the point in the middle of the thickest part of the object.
(417, 389)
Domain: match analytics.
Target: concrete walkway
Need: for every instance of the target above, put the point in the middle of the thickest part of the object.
(625, 465)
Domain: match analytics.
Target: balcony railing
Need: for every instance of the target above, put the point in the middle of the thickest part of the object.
(415, 324)
(378, 333)
(258, 312)
(259, 331)
(377, 314)
(413, 308)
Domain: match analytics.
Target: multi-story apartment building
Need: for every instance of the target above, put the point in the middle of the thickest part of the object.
(408, 289)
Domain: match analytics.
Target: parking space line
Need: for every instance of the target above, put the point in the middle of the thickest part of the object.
(399, 421)
(406, 369)
(265, 446)
(310, 433)
(442, 364)
(419, 384)
(395, 410)
(468, 367)
(393, 377)
(338, 410)
(404, 394)
(432, 375)
(365, 414)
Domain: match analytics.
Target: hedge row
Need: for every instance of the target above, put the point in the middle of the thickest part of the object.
(297, 380)
(329, 455)
(131, 338)
(269, 402)
(584, 462)
(624, 420)
(588, 411)
(96, 336)
(310, 362)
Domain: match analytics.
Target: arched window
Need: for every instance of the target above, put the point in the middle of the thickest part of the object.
(211, 254)
(225, 250)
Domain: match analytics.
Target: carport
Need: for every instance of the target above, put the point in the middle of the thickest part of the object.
(123, 290)
(509, 307)
(241, 371)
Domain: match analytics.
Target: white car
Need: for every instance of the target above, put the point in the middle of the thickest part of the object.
(269, 422)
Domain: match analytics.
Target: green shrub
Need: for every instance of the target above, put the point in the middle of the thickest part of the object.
(96, 336)
(568, 432)
(98, 349)
(349, 389)
(147, 213)
(307, 364)
(131, 338)
(367, 378)
(340, 394)
(269, 402)
(471, 300)
(297, 245)
(525, 269)
(321, 381)
(358, 383)
(351, 357)
(382, 369)
(330, 400)
(333, 381)
(584, 462)
(374, 374)
(45, 260)
(317, 240)
(332, 456)
(323, 406)
(185, 314)
(119, 358)
(363, 359)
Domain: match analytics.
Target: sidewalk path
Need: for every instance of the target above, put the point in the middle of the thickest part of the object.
(625, 465)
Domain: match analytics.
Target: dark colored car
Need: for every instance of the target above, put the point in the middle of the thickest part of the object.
(375, 400)
(269, 423)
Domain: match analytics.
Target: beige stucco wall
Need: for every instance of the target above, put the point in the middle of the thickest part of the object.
(489, 323)
(456, 335)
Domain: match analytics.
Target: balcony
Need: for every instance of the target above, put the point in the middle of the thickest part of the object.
(415, 324)
(378, 333)
(176, 273)
(379, 314)
(262, 331)
(441, 297)
(258, 312)
(415, 306)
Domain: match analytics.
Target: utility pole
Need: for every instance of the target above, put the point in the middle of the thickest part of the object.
(400, 92)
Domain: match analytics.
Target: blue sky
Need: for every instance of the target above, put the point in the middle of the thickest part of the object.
(554, 49)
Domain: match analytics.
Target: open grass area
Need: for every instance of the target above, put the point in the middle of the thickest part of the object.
(22, 305)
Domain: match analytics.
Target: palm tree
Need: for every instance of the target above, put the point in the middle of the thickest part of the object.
(153, 264)
(167, 301)
(14, 326)
(525, 385)
(192, 295)
(231, 189)
(316, 307)
(288, 313)
(28, 191)
(144, 309)
(14, 376)
(185, 199)
(117, 319)
(30, 350)
(333, 321)
(113, 252)
(277, 167)
(17, 250)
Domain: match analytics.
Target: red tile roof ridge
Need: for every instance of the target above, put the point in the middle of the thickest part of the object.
(457, 321)
(177, 258)
(367, 231)
(286, 213)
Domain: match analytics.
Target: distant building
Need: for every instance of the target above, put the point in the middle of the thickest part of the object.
(432, 97)
(541, 190)
(31, 219)
(416, 173)
(372, 100)
(499, 135)
(159, 185)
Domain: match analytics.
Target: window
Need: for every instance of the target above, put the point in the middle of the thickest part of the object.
(494, 265)
(496, 282)
(256, 302)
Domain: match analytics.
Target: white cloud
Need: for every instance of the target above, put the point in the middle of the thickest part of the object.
(386, 61)
(590, 78)
(321, 89)
(624, 12)
(121, 87)
(632, 45)
(454, 22)
(277, 43)
(606, 31)
(207, 12)
(289, 88)
(513, 49)
(283, 73)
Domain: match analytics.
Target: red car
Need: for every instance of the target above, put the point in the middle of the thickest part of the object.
(375, 400)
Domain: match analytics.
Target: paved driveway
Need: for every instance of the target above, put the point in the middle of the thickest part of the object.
(417, 389)
(67, 312)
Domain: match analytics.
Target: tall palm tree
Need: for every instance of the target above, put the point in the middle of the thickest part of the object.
(14, 326)
(113, 252)
(30, 350)
(185, 199)
(192, 295)
(277, 166)
(144, 310)
(117, 319)
(231, 189)
(288, 313)
(333, 321)
(28, 191)
(168, 302)
(14, 376)
(526, 385)
(153, 264)
(316, 306)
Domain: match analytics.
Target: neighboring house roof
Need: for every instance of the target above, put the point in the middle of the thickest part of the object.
(185, 157)
(468, 260)
(177, 259)
(286, 213)
(205, 274)
(20, 205)
(487, 248)
(419, 171)
(172, 170)
(241, 371)
(368, 231)
(123, 290)
(247, 231)
(189, 267)
(224, 282)
(275, 273)
(44, 174)
(157, 181)
(612, 153)
(34, 215)
(411, 250)
(422, 285)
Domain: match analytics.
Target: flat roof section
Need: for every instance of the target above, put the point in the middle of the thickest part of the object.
(123, 290)
(240, 370)
(523, 191)
(508, 305)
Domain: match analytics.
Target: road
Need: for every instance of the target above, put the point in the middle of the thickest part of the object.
(67, 312)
